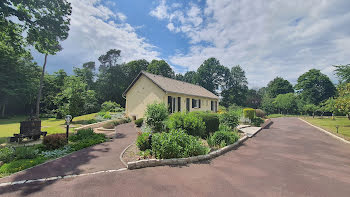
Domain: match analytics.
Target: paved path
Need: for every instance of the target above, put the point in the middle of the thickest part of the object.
(103, 156)
(289, 159)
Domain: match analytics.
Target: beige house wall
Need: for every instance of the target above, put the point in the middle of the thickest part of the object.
(142, 93)
(145, 92)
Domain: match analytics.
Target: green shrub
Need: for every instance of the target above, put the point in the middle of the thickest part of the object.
(257, 121)
(260, 113)
(85, 138)
(110, 125)
(7, 154)
(220, 138)
(21, 164)
(101, 113)
(249, 113)
(107, 116)
(211, 121)
(81, 134)
(229, 119)
(176, 144)
(55, 141)
(155, 115)
(143, 141)
(25, 152)
(110, 106)
(191, 123)
(139, 122)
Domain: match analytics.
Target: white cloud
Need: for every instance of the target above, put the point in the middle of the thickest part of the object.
(267, 38)
(160, 11)
(171, 26)
(93, 31)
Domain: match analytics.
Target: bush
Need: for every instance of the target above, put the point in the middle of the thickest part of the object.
(7, 154)
(211, 121)
(260, 113)
(257, 121)
(110, 125)
(55, 141)
(26, 152)
(249, 113)
(85, 138)
(139, 122)
(143, 141)
(19, 165)
(222, 138)
(156, 114)
(110, 106)
(176, 144)
(107, 116)
(229, 119)
(191, 123)
(56, 153)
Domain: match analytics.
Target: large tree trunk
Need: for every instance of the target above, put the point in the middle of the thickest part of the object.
(40, 89)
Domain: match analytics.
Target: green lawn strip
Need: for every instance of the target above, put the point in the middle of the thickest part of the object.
(52, 125)
(330, 125)
(280, 115)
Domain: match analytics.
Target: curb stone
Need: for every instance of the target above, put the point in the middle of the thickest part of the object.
(183, 161)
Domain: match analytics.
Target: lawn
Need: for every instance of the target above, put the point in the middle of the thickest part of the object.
(280, 115)
(52, 125)
(330, 125)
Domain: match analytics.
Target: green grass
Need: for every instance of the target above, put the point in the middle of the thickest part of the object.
(18, 165)
(330, 125)
(10, 126)
(280, 115)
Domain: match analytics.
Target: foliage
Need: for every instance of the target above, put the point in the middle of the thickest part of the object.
(143, 141)
(260, 113)
(190, 123)
(24, 152)
(55, 141)
(267, 104)
(110, 106)
(278, 86)
(237, 90)
(139, 122)
(160, 67)
(343, 73)
(249, 113)
(107, 116)
(229, 119)
(85, 138)
(257, 121)
(18, 165)
(286, 102)
(211, 75)
(222, 138)
(253, 99)
(7, 154)
(155, 115)
(145, 154)
(211, 121)
(81, 134)
(310, 109)
(110, 125)
(176, 144)
(57, 152)
(342, 103)
(315, 87)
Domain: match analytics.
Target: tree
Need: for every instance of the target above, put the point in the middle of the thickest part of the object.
(133, 68)
(285, 103)
(45, 24)
(160, 67)
(236, 89)
(343, 73)
(87, 73)
(342, 103)
(310, 109)
(267, 104)
(315, 87)
(75, 99)
(211, 75)
(253, 99)
(328, 106)
(179, 77)
(190, 77)
(278, 86)
(109, 60)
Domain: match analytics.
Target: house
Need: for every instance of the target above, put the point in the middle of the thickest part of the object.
(148, 88)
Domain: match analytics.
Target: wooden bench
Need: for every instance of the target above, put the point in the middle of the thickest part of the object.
(30, 129)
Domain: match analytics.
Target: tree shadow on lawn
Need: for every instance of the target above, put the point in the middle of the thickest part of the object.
(68, 165)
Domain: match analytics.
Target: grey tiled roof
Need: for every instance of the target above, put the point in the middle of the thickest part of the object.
(175, 86)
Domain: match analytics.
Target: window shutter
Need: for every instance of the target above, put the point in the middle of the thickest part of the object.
(179, 104)
(193, 103)
(170, 104)
(199, 103)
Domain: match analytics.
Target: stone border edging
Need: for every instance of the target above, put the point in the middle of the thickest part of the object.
(121, 155)
(94, 125)
(183, 161)
(325, 131)
(266, 123)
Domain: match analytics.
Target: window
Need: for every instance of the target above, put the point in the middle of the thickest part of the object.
(195, 103)
(187, 104)
(170, 101)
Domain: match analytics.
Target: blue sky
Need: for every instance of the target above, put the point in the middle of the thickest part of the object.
(267, 38)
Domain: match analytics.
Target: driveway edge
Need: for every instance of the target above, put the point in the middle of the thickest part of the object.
(183, 161)
(325, 131)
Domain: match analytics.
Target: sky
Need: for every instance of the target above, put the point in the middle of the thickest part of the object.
(266, 38)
